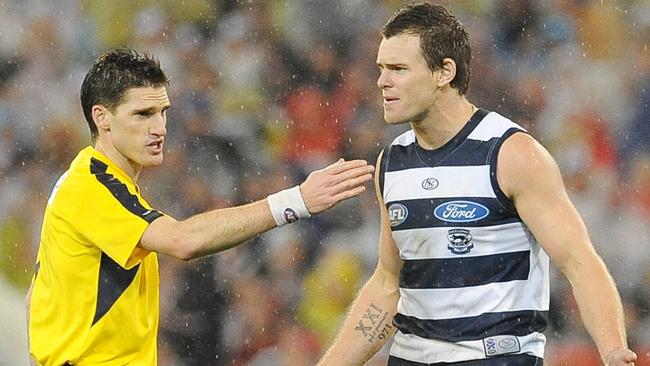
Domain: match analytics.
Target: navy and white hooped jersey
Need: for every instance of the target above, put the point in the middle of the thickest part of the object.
(474, 281)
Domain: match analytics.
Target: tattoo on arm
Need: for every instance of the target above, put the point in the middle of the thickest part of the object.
(374, 324)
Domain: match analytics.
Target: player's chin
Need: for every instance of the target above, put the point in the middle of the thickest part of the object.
(393, 119)
(153, 161)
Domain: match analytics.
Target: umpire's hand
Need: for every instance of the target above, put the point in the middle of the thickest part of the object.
(326, 187)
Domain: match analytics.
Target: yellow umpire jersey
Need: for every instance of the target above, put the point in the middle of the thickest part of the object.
(95, 293)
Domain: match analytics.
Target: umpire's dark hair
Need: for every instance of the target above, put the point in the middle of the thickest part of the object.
(112, 75)
(442, 36)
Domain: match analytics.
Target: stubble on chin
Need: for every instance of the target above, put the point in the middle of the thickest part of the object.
(394, 120)
(157, 162)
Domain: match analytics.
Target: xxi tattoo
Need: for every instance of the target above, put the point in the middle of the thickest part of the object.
(373, 324)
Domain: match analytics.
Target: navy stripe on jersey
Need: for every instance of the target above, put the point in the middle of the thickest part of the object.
(504, 360)
(121, 192)
(501, 196)
(517, 323)
(464, 271)
(113, 281)
(437, 156)
(421, 213)
(402, 156)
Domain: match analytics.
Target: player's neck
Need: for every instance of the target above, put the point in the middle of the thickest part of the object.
(447, 116)
(128, 166)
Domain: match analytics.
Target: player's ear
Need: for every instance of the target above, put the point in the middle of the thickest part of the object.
(447, 72)
(100, 117)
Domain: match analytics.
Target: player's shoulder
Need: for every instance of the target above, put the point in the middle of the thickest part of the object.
(403, 143)
(522, 145)
(81, 171)
(404, 139)
(80, 181)
(522, 158)
(494, 125)
(517, 142)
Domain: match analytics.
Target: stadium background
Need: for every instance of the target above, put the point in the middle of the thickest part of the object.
(264, 91)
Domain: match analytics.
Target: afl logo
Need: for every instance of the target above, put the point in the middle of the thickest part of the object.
(430, 184)
(461, 211)
(290, 216)
(397, 214)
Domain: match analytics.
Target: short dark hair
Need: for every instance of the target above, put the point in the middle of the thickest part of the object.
(112, 75)
(442, 35)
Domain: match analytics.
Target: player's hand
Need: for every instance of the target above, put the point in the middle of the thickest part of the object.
(620, 357)
(337, 182)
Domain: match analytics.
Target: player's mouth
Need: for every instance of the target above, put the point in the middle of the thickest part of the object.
(390, 100)
(155, 146)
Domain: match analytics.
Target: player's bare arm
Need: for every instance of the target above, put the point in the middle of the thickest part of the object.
(369, 323)
(218, 230)
(530, 177)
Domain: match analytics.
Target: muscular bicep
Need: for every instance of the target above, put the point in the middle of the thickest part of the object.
(161, 237)
(530, 177)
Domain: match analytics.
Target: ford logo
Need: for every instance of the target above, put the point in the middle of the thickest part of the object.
(461, 211)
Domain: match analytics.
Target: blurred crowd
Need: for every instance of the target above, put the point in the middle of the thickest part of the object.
(263, 92)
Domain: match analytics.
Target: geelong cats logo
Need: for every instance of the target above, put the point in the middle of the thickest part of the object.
(460, 241)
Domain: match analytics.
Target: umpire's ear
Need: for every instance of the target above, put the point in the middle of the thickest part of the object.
(101, 117)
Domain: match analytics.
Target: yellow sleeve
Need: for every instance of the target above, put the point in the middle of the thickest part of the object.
(113, 217)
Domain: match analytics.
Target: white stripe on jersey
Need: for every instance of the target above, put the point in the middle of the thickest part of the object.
(454, 181)
(493, 125)
(413, 348)
(432, 242)
(490, 298)
(405, 139)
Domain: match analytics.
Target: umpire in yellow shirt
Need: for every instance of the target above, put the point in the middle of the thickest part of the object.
(94, 296)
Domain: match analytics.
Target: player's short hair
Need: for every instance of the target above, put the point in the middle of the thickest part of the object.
(442, 36)
(112, 75)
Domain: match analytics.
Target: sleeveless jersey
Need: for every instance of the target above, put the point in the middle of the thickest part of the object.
(474, 282)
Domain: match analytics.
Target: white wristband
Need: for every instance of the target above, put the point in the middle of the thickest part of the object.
(287, 206)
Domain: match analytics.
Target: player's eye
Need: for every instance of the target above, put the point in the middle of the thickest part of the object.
(142, 114)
